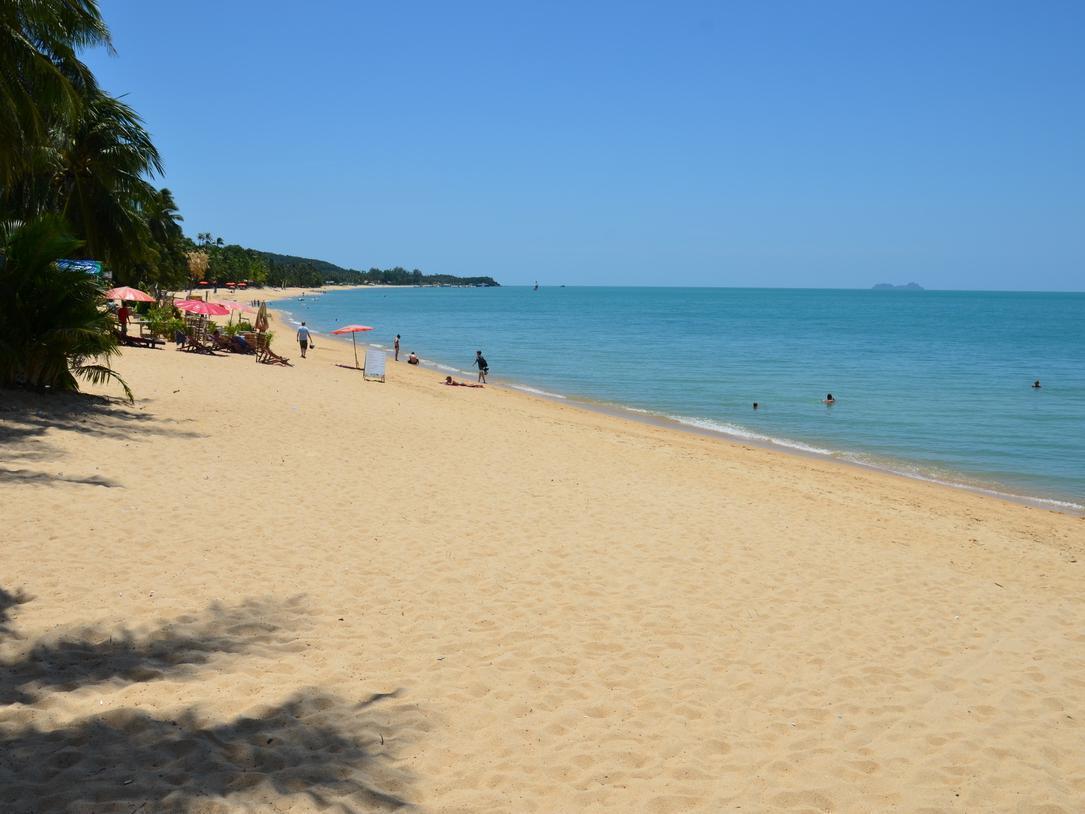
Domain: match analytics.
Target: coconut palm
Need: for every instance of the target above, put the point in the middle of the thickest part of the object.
(42, 80)
(103, 161)
(52, 326)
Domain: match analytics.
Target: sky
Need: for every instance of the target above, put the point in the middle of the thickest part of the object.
(794, 144)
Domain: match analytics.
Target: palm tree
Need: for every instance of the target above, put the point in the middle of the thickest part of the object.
(103, 162)
(170, 267)
(42, 81)
(52, 326)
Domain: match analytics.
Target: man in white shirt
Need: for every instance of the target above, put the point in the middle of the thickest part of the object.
(303, 339)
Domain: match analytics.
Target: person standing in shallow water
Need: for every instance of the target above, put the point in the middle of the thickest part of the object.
(395, 346)
(483, 367)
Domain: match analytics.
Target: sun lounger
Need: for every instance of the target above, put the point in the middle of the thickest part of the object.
(265, 355)
(374, 365)
(193, 344)
(135, 341)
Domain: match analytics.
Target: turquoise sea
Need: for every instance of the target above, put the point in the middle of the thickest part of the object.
(933, 384)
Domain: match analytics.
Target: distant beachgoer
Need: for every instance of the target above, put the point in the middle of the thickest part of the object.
(412, 359)
(304, 339)
(483, 367)
(453, 383)
(829, 399)
(755, 405)
(395, 345)
(122, 317)
(1036, 384)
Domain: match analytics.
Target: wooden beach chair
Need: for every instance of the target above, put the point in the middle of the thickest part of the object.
(265, 355)
(374, 365)
(137, 341)
(193, 344)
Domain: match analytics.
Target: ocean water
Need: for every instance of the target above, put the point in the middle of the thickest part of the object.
(933, 384)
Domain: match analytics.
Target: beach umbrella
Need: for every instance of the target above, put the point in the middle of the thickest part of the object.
(235, 306)
(352, 330)
(128, 294)
(207, 309)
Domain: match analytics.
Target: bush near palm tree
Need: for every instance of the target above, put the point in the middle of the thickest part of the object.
(52, 326)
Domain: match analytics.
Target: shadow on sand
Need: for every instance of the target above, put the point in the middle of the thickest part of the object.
(9, 600)
(313, 745)
(25, 418)
(93, 655)
(342, 755)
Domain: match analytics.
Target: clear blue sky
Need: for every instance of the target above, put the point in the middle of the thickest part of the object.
(758, 143)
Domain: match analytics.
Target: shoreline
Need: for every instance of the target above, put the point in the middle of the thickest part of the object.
(791, 447)
(536, 606)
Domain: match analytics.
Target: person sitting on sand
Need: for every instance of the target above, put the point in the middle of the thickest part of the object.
(828, 399)
(1036, 385)
(412, 359)
(453, 383)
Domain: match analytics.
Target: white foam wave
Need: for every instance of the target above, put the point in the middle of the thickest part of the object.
(537, 392)
(742, 432)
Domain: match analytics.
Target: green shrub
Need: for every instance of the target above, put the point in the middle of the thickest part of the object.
(52, 323)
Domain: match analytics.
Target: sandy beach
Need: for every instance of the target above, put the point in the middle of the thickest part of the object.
(287, 589)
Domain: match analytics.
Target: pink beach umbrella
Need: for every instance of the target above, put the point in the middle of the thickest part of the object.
(207, 309)
(352, 330)
(234, 305)
(128, 294)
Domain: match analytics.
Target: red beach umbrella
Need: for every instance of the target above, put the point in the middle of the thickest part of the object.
(128, 294)
(352, 330)
(207, 309)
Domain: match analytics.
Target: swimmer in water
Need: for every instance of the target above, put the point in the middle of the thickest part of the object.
(1036, 385)
(828, 399)
(755, 405)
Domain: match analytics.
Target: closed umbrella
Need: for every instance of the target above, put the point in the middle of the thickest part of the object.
(261, 318)
(352, 330)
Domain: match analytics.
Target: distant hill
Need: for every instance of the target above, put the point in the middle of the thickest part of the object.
(905, 287)
(287, 269)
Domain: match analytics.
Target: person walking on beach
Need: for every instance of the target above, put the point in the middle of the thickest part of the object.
(483, 367)
(304, 339)
(395, 346)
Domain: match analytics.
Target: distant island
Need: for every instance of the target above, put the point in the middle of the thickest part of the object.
(905, 287)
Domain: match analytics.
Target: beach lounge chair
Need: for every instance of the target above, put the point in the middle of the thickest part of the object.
(265, 355)
(239, 344)
(193, 344)
(228, 344)
(135, 341)
(374, 365)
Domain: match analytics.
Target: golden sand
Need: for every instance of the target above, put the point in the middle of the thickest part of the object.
(286, 589)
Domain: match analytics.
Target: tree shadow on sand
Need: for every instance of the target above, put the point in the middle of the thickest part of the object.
(9, 600)
(25, 418)
(341, 755)
(92, 655)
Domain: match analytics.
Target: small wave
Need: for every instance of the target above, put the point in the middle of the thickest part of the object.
(741, 432)
(535, 391)
(449, 369)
